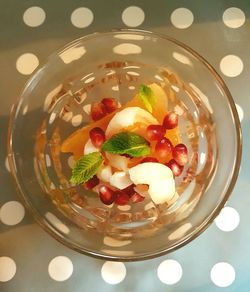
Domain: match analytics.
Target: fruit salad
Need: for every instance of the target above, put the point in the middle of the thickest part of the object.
(131, 152)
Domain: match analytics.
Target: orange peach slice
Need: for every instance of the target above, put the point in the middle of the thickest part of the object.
(76, 141)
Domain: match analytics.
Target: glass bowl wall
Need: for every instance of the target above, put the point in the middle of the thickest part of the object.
(55, 102)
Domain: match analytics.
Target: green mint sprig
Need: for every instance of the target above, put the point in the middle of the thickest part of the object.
(127, 143)
(86, 167)
(147, 96)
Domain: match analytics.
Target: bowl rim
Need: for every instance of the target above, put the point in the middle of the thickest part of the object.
(202, 227)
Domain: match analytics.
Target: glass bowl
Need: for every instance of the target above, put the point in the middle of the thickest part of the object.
(56, 101)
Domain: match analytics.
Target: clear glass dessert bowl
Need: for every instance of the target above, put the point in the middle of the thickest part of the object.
(56, 101)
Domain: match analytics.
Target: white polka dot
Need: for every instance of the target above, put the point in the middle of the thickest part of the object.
(178, 110)
(233, 17)
(11, 213)
(34, 16)
(133, 73)
(115, 252)
(87, 108)
(113, 272)
(222, 274)
(132, 37)
(131, 67)
(50, 96)
(76, 120)
(58, 224)
(67, 116)
(48, 161)
(52, 186)
(7, 166)
(27, 63)
(110, 206)
(52, 118)
(71, 161)
(60, 268)
(131, 87)
(240, 112)
(180, 232)
(82, 17)
(25, 109)
(7, 269)
(182, 59)
(124, 207)
(175, 88)
(182, 18)
(127, 49)
(169, 272)
(90, 79)
(110, 241)
(228, 219)
(203, 158)
(111, 72)
(72, 54)
(115, 87)
(133, 16)
(159, 77)
(231, 65)
(149, 206)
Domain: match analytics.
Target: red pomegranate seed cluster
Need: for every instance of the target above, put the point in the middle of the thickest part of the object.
(170, 121)
(149, 159)
(119, 197)
(97, 136)
(180, 154)
(155, 132)
(164, 147)
(137, 198)
(110, 104)
(93, 182)
(176, 156)
(100, 109)
(106, 194)
(175, 167)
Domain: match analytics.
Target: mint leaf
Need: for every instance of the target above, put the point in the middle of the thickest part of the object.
(127, 143)
(147, 96)
(86, 167)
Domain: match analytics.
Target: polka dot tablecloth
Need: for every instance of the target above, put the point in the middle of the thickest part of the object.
(219, 260)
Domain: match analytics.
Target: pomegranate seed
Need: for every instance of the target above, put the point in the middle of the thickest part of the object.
(127, 155)
(175, 167)
(107, 196)
(149, 159)
(170, 121)
(98, 111)
(180, 154)
(136, 198)
(93, 182)
(97, 136)
(155, 132)
(110, 104)
(121, 198)
(129, 190)
(163, 147)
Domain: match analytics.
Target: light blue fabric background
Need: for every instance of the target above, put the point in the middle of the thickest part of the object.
(26, 243)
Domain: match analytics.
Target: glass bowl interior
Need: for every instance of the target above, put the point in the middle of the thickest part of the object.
(56, 102)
